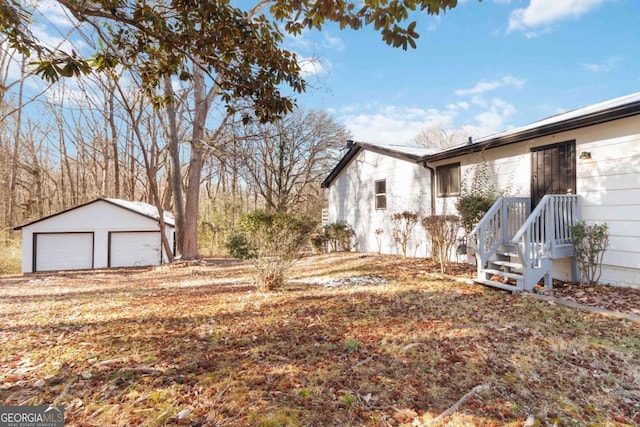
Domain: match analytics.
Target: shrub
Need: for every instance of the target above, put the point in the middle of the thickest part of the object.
(478, 193)
(442, 230)
(274, 242)
(340, 234)
(320, 242)
(379, 232)
(472, 207)
(402, 225)
(590, 241)
(237, 246)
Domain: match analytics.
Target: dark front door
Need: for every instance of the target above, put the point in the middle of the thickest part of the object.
(553, 170)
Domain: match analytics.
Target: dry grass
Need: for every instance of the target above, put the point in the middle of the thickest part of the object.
(10, 255)
(197, 345)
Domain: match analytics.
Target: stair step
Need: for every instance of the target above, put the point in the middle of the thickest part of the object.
(504, 286)
(507, 253)
(509, 264)
(508, 275)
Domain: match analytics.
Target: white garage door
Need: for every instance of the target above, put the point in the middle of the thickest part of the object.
(135, 248)
(63, 251)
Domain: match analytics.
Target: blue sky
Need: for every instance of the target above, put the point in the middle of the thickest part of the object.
(490, 66)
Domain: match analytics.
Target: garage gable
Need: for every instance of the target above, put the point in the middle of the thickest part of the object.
(99, 213)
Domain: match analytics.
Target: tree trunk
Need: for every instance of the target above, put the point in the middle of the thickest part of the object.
(190, 235)
(176, 169)
(13, 179)
(202, 102)
(114, 146)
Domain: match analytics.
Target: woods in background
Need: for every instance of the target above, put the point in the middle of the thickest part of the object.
(142, 96)
(96, 137)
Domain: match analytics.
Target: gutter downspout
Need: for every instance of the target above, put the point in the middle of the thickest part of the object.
(433, 187)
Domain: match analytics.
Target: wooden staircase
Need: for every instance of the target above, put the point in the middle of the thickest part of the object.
(515, 248)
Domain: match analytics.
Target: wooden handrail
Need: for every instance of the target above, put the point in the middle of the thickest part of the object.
(548, 226)
(498, 226)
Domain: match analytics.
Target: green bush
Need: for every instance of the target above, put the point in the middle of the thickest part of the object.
(472, 207)
(479, 191)
(237, 246)
(340, 234)
(320, 242)
(274, 242)
(590, 242)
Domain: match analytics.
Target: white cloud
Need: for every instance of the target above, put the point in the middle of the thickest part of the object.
(485, 86)
(56, 41)
(392, 124)
(313, 66)
(53, 13)
(300, 41)
(433, 22)
(543, 13)
(480, 115)
(400, 125)
(335, 43)
(602, 67)
(494, 118)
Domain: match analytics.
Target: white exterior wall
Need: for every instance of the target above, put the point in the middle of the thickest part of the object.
(100, 218)
(608, 186)
(509, 168)
(352, 199)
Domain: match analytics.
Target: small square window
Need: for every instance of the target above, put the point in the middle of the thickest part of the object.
(448, 180)
(381, 194)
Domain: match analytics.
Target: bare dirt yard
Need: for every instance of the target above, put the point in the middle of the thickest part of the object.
(352, 340)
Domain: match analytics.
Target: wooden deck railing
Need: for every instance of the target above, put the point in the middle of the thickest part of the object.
(547, 228)
(498, 226)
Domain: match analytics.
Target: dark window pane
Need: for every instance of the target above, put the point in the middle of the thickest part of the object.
(448, 178)
(454, 180)
(381, 194)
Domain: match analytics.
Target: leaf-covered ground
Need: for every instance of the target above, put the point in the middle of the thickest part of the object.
(353, 340)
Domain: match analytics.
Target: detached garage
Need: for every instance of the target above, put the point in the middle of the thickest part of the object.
(102, 233)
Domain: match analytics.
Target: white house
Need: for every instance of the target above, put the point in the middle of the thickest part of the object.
(372, 181)
(586, 162)
(102, 233)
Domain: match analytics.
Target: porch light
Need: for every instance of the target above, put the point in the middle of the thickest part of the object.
(585, 155)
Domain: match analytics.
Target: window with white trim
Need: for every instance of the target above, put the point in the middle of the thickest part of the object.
(381, 194)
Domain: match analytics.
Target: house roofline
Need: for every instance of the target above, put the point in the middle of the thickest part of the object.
(597, 117)
(357, 147)
(20, 227)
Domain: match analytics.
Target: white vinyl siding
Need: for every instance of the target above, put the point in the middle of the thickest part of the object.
(63, 251)
(608, 185)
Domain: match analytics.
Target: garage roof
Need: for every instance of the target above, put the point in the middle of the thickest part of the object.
(141, 208)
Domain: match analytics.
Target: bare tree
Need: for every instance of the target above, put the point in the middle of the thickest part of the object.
(286, 160)
(440, 139)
